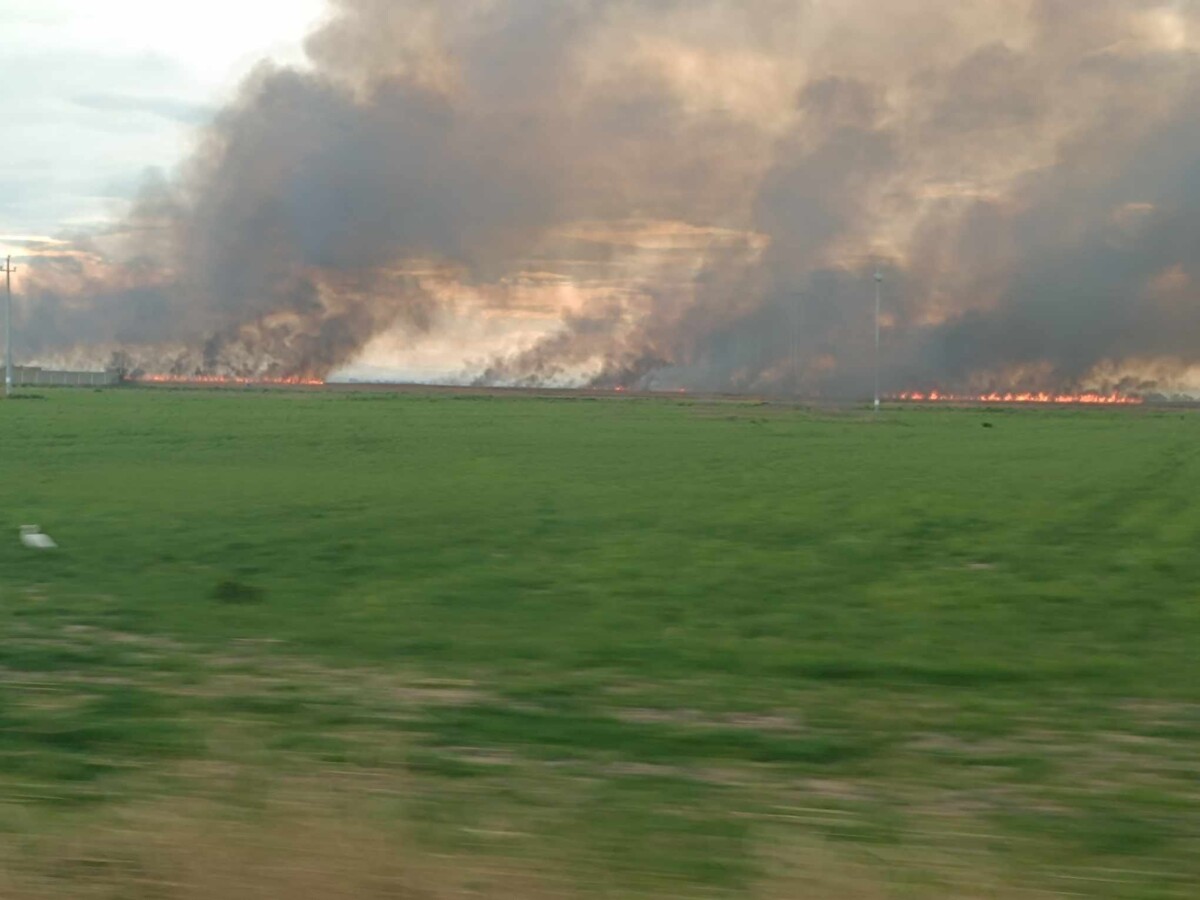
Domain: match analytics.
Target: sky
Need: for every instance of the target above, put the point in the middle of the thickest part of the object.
(97, 92)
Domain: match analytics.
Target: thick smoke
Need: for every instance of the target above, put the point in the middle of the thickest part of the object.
(683, 194)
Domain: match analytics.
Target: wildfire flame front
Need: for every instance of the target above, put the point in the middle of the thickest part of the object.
(1085, 399)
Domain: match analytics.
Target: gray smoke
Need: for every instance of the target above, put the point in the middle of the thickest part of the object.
(709, 184)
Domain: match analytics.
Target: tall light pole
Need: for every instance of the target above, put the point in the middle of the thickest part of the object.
(878, 298)
(8, 360)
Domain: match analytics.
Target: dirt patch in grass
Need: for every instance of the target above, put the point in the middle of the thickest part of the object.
(235, 592)
(294, 850)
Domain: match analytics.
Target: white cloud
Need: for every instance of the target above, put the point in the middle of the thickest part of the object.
(215, 41)
(95, 93)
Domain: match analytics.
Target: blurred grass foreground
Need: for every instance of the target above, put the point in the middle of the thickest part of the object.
(316, 645)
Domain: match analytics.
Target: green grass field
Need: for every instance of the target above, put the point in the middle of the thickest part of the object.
(373, 645)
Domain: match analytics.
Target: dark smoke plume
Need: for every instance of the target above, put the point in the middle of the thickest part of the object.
(681, 194)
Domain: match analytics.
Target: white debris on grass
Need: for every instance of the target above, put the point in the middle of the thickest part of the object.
(32, 537)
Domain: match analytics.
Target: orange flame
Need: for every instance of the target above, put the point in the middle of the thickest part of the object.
(294, 381)
(1085, 399)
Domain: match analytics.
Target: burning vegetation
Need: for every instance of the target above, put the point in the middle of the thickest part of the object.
(226, 380)
(666, 195)
(1086, 399)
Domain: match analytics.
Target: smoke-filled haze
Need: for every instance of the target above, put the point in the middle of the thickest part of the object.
(676, 193)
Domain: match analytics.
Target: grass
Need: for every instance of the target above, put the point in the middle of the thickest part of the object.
(597, 647)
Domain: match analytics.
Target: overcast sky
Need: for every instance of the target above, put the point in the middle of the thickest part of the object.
(96, 92)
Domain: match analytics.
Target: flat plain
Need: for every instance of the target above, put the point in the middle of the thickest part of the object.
(306, 644)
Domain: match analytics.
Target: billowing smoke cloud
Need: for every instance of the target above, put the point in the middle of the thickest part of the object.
(681, 194)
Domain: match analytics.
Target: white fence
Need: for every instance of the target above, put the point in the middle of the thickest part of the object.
(29, 376)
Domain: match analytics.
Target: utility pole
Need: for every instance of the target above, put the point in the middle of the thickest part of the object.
(797, 326)
(8, 359)
(878, 297)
